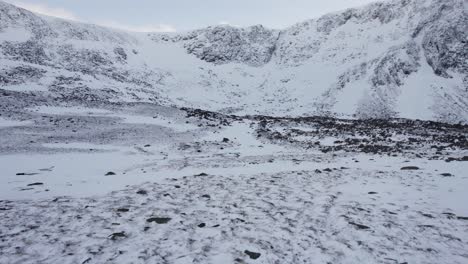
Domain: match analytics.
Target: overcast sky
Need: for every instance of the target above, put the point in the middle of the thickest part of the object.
(181, 15)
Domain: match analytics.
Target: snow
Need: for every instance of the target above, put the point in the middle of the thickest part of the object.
(96, 151)
(223, 196)
(129, 119)
(322, 66)
(61, 110)
(15, 34)
(30, 87)
(11, 123)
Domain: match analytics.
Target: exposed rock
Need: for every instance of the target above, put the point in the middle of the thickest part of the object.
(142, 192)
(359, 226)
(158, 220)
(252, 255)
(36, 184)
(410, 168)
(118, 235)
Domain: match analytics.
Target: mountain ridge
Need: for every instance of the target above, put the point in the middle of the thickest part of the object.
(404, 58)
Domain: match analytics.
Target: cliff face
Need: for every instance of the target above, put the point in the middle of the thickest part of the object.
(404, 58)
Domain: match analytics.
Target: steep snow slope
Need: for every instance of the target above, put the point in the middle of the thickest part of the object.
(404, 58)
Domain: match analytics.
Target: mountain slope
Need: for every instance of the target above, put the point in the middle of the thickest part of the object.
(404, 58)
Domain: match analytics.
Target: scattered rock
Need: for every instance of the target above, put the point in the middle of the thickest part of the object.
(35, 184)
(252, 255)
(202, 225)
(225, 140)
(118, 235)
(206, 196)
(318, 171)
(427, 215)
(201, 175)
(123, 210)
(410, 168)
(446, 174)
(110, 173)
(359, 226)
(47, 169)
(26, 174)
(450, 159)
(142, 192)
(372, 193)
(158, 220)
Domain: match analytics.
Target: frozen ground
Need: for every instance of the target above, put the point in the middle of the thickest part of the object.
(138, 183)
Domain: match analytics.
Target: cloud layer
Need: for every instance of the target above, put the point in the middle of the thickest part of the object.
(138, 28)
(66, 14)
(46, 10)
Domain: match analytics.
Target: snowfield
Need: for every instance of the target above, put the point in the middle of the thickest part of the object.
(229, 189)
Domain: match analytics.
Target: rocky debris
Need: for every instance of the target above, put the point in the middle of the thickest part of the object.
(410, 168)
(118, 235)
(26, 174)
(36, 184)
(450, 159)
(367, 136)
(252, 255)
(359, 226)
(122, 210)
(446, 174)
(158, 220)
(201, 225)
(21, 74)
(110, 173)
(142, 192)
(214, 118)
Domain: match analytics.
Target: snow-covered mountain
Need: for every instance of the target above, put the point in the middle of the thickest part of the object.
(403, 58)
